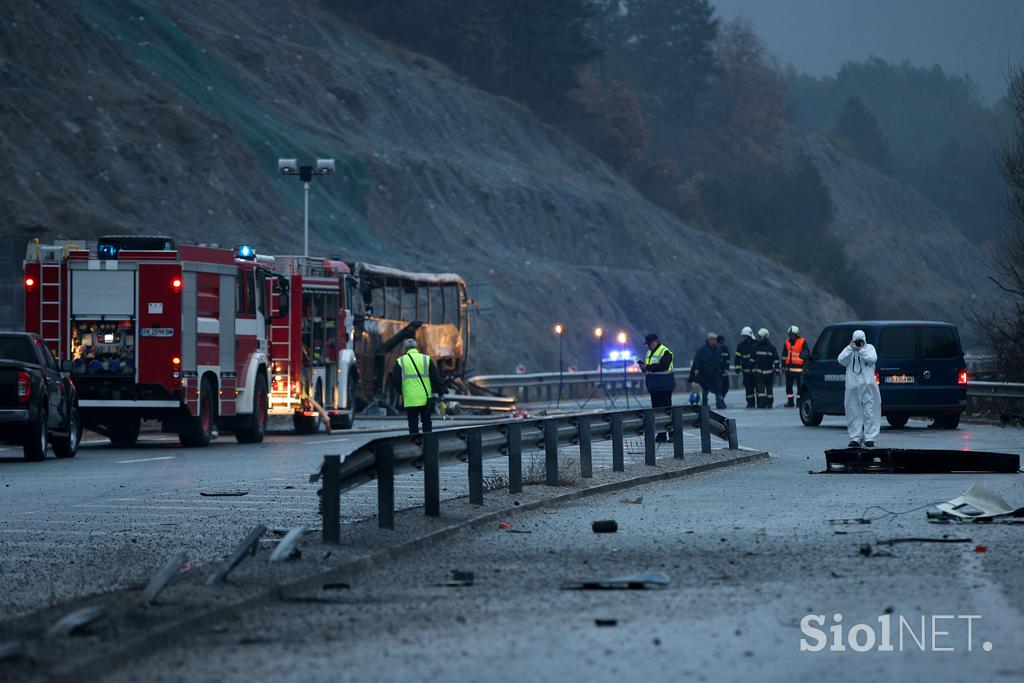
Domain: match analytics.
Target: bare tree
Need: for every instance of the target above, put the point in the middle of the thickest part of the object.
(1002, 326)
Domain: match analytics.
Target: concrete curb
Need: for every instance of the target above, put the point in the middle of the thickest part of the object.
(163, 635)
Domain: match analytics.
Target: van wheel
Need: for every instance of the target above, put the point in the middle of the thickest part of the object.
(255, 427)
(125, 433)
(948, 421)
(67, 446)
(36, 438)
(201, 430)
(897, 420)
(808, 415)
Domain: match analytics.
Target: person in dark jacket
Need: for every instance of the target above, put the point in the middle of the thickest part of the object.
(766, 360)
(725, 369)
(659, 378)
(744, 364)
(706, 370)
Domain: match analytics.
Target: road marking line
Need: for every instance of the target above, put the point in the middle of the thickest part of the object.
(163, 457)
(344, 438)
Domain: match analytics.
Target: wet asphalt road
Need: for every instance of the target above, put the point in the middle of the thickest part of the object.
(749, 552)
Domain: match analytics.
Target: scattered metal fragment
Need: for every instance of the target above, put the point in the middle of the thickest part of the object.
(979, 503)
(849, 520)
(639, 500)
(163, 578)
(286, 549)
(917, 461)
(631, 582)
(460, 579)
(339, 585)
(518, 531)
(246, 547)
(221, 494)
(72, 623)
(918, 539)
(12, 649)
(605, 526)
(606, 622)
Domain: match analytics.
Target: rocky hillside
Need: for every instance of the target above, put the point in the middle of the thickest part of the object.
(168, 117)
(914, 260)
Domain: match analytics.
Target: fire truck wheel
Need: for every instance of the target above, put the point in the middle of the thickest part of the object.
(125, 433)
(347, 419)
(305, 424)
(255, 426)
(200, 432)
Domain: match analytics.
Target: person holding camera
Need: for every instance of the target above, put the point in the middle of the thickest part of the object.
(863, 400)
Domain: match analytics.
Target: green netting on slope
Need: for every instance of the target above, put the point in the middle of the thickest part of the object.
(151, 37)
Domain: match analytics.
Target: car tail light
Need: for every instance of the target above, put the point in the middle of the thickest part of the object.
(24, 387)
(176, 285)
(30, 284)
(878, 378)
(961, 377)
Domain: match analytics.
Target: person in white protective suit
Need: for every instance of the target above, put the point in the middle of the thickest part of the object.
(863, 401)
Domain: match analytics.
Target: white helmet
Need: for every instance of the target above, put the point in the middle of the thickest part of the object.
(793, 329)
(747, 332)
(763, 332)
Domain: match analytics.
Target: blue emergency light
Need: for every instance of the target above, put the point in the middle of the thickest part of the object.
(246, 252)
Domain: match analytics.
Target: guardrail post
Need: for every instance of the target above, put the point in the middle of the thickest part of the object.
(515, 458)
(476, 467)
(677, 432)
(431, 476)
(705, 428)
(734, 441)
(650, 435)
(618, 459)
(330, 499)
(384, 454)
(586, 455)
(551, 452)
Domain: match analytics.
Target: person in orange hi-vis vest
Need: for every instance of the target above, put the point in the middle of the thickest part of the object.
(794, 356)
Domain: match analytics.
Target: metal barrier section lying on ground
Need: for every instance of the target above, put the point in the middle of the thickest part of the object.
(918, 461)
(383, 458)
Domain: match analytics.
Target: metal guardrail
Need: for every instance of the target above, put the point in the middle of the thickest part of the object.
(977, 389)
(383, 458)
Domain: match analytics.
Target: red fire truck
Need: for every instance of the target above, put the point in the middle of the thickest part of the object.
(314, 372)
(158, 331)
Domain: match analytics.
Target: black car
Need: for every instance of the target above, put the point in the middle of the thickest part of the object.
(38, 403)
(920, 371)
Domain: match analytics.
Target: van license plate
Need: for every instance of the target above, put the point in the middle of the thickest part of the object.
(900, 379)
(156, 332)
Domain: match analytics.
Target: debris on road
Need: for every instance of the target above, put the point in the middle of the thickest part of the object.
(222, 494)
(460, 579)
(605, 526)
(981, 548)
(12, 649)
(74, 622)
(286, 549)
(171, 568)
(606, 622)
(337, 586)
(631, 582)
(917, 461)
(504, 525)
(849, 520)
(246, 547)
(978, 503)
(634, 501)
(915, 539)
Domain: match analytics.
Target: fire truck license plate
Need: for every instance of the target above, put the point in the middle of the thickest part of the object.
(156, 332)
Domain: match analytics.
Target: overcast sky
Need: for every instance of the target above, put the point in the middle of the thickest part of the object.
(974, 37)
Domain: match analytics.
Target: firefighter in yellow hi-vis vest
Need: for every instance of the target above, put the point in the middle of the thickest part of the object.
(417, 379)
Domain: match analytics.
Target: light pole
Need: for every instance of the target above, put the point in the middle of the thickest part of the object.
(559, 330)
(291, 167)
(622, 339)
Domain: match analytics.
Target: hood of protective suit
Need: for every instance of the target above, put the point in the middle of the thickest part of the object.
(859, 335)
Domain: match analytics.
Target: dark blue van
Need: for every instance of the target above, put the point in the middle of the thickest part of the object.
(921, 372)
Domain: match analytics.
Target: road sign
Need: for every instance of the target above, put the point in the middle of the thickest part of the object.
(520, 369)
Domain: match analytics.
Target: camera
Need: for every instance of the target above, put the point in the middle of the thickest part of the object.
(858, 343)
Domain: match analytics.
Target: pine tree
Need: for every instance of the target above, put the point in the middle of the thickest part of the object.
(858, 126)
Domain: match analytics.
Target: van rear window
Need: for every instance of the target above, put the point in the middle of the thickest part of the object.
(938, 342)
(897, 342)
(17, 349)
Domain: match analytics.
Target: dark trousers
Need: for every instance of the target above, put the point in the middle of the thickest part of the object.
(750, 387)
(792, 385)
(717, 391)
(765, 380)
(725, 386)
(417, 415)
(661, 399)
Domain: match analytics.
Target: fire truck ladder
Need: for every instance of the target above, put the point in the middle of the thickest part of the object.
(51, 286)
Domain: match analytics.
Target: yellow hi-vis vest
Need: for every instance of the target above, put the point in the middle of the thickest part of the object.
(654, 357)
(416, 389)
